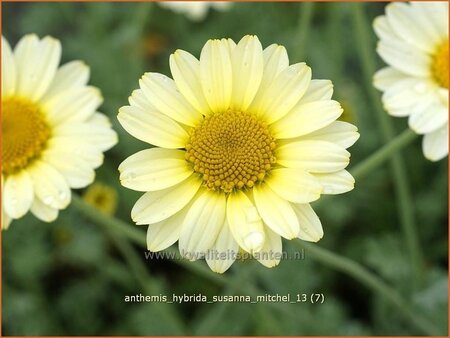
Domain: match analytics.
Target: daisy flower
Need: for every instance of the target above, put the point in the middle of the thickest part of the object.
(243, 143)
(414, 43)
(52, 136)
(194, 10)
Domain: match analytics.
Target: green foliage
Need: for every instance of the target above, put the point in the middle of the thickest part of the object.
(69, 277)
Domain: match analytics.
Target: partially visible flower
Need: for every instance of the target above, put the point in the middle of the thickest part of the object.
(195, 10)
(414, 43)
(243, 143)
(52, 136)
(103, 197)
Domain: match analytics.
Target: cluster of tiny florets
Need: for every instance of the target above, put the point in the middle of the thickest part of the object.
(24, 134)
(231, 150)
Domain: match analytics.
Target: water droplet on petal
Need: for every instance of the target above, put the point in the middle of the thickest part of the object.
(48, 200)
(254, 240)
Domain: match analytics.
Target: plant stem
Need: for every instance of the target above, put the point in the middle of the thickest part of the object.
(383, 154)
(370, 280)
(304, 22)
(403, 195)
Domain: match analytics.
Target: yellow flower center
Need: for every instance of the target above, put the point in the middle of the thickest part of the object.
(24, 134)
(440, 65)
(231, 150)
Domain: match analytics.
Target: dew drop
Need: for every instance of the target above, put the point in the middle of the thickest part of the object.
(48, 200)
(254, 240)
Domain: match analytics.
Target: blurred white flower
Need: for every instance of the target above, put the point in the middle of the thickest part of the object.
(195, 10)
(414, 43)
(52, 136)
(243, 143)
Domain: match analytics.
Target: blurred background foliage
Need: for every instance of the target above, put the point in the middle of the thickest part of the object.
(69, 277)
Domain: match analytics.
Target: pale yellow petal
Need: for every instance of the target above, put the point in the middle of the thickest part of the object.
(216, 74)
(155, 206)
(310, 225)
(283, 93)
(9, 72)
(306, 118)
(202, 224)
(336, 183)
(313, 156)
(163, 94)
(294, 185)
(152, 127)
(271, 253)
(154, 169)
(18, 194)
(247, 65)
(245, 222)
(224, 251)
(275, 212)
(185, 69)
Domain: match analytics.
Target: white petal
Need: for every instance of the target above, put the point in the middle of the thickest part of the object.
(154, 169)
(37, 62)
(340, 133)
(224, 251)
(6, 221)
(275, 212)
(336, 183)
(404, 21)
(313, 156)
(428, 116)
(435, 144)
(216, 74)
(155, 206)
(310, 226)
(318, 90)
(18, 194)
(294, 185)
(306, 118)
(43, 212)
(202, 224)
(75, 105)
(405, 58)
(384, 31)
(8, 70)
(71, 75)
(100, 137)
(76, 148)
(387, 77)
(283, 93)
(152, 127)
(138, 99)
(247, 65)
(245, 223)
(275, 61)
(49, 185)
(77, 171)
(433, 17)
(163, 234)
(400, 98)
(163, 94)
(270, 254)
(185, 69)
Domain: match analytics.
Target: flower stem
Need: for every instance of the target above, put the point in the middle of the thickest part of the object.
(403, 195)
(370, 280)
(383, 154)
(304, 22)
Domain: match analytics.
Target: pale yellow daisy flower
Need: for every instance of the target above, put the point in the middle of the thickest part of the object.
(244, 142)
(414, 43)
(52, 136)
(195, 10)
